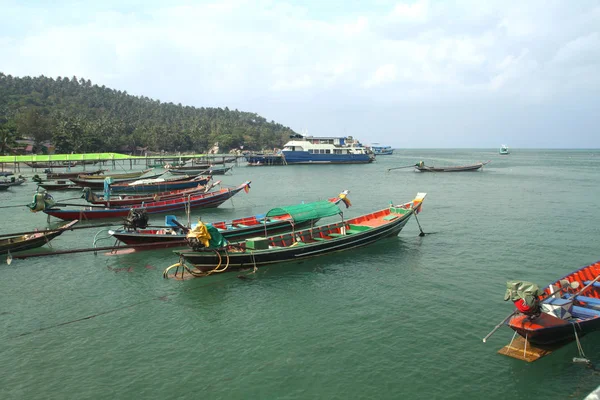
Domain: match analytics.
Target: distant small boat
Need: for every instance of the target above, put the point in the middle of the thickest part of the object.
(460, 168)
(504, 150)
(382, 150)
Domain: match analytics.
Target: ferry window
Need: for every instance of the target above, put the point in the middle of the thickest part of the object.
(310, 151)
(328, 151)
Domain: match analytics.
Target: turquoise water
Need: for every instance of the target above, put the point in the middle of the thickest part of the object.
(401, 319)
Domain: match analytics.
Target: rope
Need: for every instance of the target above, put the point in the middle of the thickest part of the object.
(579, 348)
(184, 266)
(511, 342)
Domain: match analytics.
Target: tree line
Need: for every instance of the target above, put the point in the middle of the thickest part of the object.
(81, 117)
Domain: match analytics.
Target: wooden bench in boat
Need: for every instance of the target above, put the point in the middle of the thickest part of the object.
(595, 284)
(591, 301)
(352, 229)
(584, 312)
(333, 234)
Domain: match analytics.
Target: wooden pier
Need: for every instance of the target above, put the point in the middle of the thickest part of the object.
(67, 161)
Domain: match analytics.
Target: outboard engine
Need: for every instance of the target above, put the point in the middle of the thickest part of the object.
(137, 219)
(195, 244)
(525, 296)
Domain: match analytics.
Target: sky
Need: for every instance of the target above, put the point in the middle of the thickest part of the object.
(410, 74)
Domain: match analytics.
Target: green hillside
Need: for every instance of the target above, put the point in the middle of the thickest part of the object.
(78, 116)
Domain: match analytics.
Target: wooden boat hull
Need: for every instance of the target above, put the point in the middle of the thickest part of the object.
(547, 329)
(67, 175)
(4, 186)
(176, 194)
(16, 182)
(59, 186)
(307, 243)
(464, 168)
(99, 183)
(165, 240)
(207, 171)
(207, 200)
(116, 177)
(161, 186)
(27, 242)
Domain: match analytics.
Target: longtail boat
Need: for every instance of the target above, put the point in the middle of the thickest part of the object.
(4, 186)
(460, 168)
(99, 183)
(59, 185)
(211, 170)
(205, 200)
(126, 175)
(50, 165)
(14, 181)
(160, 185)
(366, 229)
(549, 318)
(67, 175)
(31, 241)
(129, 200)
(276, 220)
(186, 168)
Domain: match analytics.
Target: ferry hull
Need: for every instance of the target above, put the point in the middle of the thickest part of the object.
(301, 157)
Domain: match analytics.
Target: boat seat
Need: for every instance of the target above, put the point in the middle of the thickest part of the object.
(390, 217)
(318, 238)
(595, 284)
(352, 231)
(335, 234)
(583, 312)
(242, 226)
(589, 300)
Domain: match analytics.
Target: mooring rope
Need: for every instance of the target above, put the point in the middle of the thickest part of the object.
(114, 310)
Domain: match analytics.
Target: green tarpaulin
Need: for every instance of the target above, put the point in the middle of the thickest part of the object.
(308, 211)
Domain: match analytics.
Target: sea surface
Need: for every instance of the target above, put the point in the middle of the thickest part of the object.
(401, 319)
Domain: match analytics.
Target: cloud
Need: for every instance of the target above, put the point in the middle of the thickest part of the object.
(258, 55)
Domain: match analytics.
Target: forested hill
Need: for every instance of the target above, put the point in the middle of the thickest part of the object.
(79, 116)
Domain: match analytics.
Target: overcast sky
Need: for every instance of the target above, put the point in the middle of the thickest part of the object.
(405, 73)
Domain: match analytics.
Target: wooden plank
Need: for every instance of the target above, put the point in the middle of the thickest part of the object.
(517, 350)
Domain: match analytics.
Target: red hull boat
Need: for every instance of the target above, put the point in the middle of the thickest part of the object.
(568, 307)
(206, 200)
(133, 199)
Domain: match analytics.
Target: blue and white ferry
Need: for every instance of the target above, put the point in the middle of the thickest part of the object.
(325, 150)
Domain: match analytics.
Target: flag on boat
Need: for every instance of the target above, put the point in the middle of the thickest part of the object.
(343, 196)
(417, 203)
